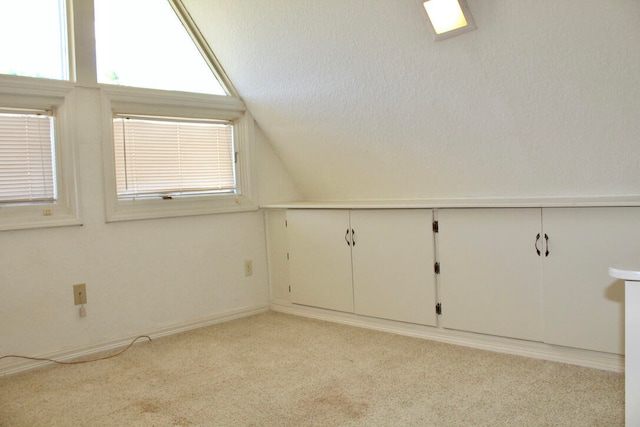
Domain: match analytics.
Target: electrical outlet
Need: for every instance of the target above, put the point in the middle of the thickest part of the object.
(80, 294)
(248, 268)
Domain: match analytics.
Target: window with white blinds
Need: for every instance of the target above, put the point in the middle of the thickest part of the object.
(167, 157)
(27, 157)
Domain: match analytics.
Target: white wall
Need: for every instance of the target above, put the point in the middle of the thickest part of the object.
(543, 99)
(140, 275)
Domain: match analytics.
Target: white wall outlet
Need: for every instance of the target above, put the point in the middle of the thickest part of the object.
(248, 268)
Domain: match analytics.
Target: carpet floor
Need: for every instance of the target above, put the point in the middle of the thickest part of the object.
(274, 369)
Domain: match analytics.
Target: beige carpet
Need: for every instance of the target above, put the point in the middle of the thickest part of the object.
(280, 370)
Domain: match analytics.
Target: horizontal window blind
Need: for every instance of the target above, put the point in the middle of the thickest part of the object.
(27, 160)
(158, 156)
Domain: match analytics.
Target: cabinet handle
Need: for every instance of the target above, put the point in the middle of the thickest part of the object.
(536, 244)
(353, 237)
(346, 238)
(546, 245)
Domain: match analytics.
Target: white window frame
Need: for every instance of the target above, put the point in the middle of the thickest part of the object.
(34, 93)
(151, 102)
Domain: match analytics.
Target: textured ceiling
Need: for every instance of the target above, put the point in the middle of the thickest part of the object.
(359, 102)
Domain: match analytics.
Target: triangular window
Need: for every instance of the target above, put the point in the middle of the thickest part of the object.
(144, 43)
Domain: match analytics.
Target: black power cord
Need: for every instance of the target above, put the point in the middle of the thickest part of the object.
(77, 362)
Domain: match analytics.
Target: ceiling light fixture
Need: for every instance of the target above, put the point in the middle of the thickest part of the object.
(448, 18)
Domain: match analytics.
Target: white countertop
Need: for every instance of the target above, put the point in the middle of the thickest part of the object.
(628, 269)
(508, 202)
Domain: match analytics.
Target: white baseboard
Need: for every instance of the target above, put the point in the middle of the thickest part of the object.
(20, 365)
(536, 350)
(591, 359)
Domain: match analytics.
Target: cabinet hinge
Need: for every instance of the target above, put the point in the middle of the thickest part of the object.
(436, 267)
(439, 308)
(435, 226)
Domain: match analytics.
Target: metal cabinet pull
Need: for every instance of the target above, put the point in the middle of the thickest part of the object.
(536, 244)
(353, 237)
(346, 238)
(546, 245)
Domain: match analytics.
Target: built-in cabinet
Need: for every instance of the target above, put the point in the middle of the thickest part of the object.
(320, 258)
(583, 305)
(375, 263)
(537, 274)
(490, 273)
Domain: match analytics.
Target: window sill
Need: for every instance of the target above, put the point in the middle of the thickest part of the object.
(177, 207)
(29, 217)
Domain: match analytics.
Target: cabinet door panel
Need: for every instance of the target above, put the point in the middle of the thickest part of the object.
(277, 249)
(320, 259)
(490, 280)
(393, 260)
(583, 305)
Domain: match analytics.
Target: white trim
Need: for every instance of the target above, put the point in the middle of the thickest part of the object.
(535, 350)
(590, 359)
(630, 200)
(32, 86)
(152, 99)
(22, 365)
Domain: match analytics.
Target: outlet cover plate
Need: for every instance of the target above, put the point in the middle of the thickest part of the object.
(80, 294)
(248, 268)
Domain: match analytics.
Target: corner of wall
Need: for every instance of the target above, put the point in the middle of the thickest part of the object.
(275, 183)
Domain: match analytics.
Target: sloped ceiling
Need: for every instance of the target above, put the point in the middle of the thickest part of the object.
(359, 102)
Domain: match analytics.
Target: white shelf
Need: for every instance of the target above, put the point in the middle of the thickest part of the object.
(545, 202)
(628, 270)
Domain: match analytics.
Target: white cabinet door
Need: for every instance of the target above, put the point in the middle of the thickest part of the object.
(320, 259)
(490, 280)
(583, 305)
(393, 259)
(277, 250)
